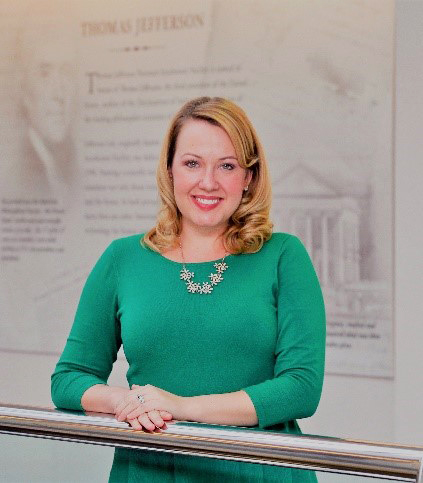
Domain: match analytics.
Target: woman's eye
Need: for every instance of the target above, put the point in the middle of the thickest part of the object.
(228, 166)
(191, 163)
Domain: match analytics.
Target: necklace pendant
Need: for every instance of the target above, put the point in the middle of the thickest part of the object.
(220, 266)
(193, 287)
(186, 274)
(206, 287)
(215, 278)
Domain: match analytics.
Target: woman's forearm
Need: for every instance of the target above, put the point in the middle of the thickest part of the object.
(101, 398)
(234, 408)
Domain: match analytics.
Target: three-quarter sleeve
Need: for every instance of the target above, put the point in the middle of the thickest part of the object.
(94, 340)
(294, 391)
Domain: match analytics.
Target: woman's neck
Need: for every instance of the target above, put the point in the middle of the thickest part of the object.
(197, 246)
(201, 248)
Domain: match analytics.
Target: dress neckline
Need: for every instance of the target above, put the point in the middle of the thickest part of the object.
(230, 255)
(193, 263)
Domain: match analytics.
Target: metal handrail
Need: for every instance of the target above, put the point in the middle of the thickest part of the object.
(389, 461)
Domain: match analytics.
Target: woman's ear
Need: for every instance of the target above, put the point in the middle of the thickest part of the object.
(248, 177)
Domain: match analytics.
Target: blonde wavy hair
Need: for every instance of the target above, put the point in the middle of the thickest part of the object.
(249, 226)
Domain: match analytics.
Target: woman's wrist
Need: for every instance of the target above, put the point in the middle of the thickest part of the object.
(191, 408)
(102, 398)
(234, 408)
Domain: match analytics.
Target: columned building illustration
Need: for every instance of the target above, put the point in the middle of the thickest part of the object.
(327, 221)
(333, 221)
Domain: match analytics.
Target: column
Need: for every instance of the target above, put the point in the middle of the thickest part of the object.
(325, 250)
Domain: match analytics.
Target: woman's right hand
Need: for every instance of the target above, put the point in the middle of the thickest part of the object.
(151, 420)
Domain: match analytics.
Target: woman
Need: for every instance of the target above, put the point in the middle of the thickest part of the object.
(221, 321)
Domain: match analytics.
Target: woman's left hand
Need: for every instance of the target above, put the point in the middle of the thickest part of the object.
(154, 399)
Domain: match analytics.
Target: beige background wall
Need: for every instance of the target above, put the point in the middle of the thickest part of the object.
(386, 410)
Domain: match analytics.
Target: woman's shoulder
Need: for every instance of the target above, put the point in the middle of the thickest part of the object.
(282, 241)
(128, 251)
(128, 247)
(284, 247)
(128, 242)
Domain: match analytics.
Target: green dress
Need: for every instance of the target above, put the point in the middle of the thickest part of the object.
(262, 329)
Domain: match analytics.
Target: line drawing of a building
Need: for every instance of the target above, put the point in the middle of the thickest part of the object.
(333, 222)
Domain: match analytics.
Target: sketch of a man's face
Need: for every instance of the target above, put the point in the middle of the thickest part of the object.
(48, 88)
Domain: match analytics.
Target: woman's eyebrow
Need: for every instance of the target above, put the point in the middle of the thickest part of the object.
(192, 154)
(228, 157)
(220, 159)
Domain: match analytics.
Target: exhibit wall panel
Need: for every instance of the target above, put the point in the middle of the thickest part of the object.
(359, 407)
(87, 92)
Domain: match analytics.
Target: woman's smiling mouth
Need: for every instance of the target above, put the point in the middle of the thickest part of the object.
(205, 202)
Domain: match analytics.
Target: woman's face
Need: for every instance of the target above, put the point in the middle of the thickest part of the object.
(207, 178)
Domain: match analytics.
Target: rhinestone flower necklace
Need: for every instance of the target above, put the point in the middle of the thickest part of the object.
(205, 287)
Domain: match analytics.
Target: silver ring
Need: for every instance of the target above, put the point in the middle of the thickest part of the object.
(140, 398)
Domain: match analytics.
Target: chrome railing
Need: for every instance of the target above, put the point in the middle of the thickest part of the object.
(389, 461)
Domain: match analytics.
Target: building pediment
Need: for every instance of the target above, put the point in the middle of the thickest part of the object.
(303, 181)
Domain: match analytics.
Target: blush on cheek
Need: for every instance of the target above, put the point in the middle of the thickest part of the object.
(236, 186)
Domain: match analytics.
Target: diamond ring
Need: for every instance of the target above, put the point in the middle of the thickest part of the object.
(140, 398)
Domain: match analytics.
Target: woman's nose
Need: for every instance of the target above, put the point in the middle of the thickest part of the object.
(208, 181)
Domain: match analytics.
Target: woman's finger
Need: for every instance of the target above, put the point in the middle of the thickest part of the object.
(135, 423)
(130, 407)
(137, 411)
(165, 415)
(121, 412)
(156, 418)
(146, 423)
(122, 405)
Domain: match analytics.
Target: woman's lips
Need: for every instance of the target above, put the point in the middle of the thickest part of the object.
(207, 203)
